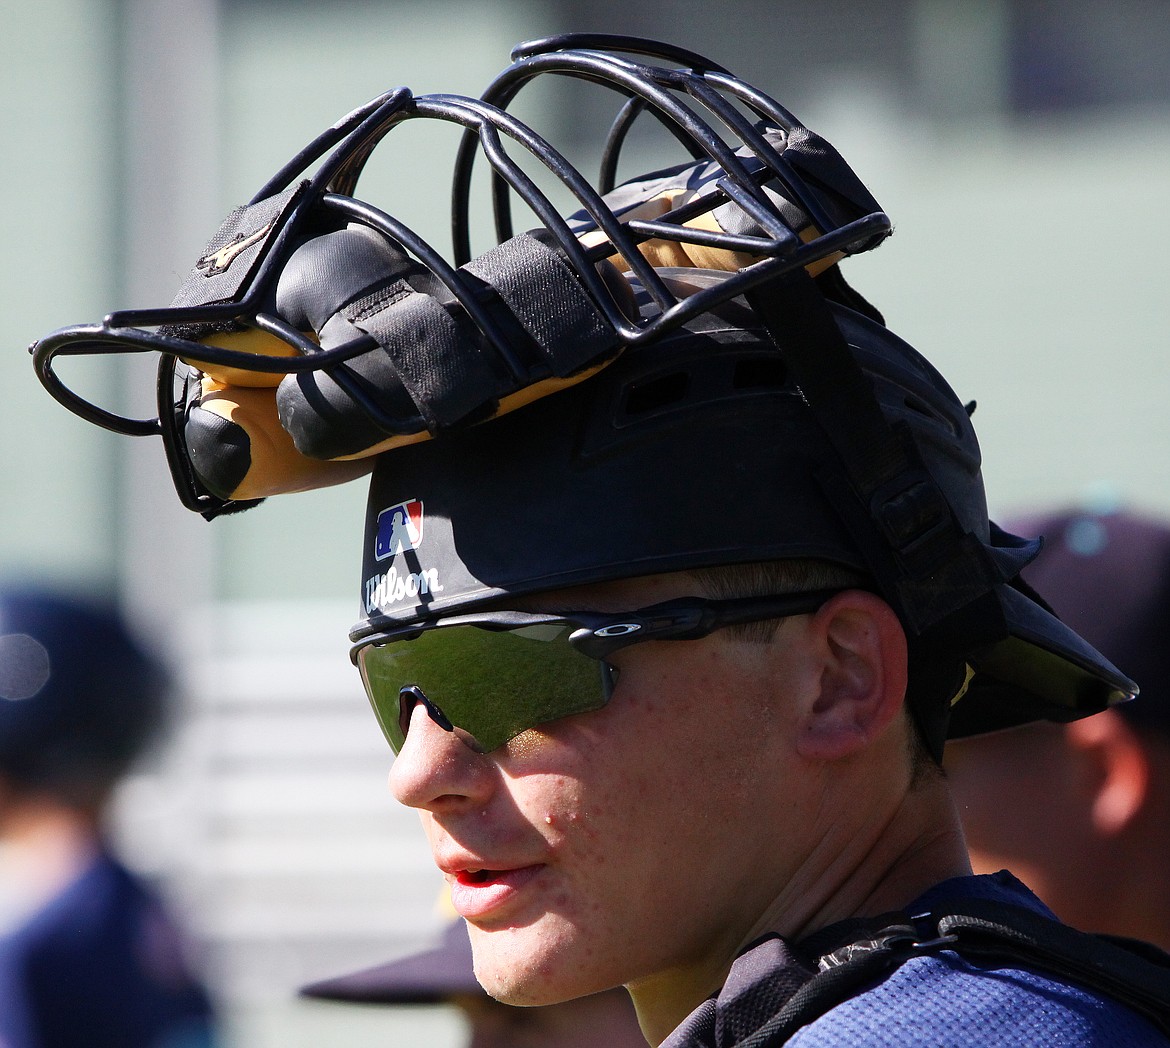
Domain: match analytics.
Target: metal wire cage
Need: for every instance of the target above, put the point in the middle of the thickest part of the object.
(747, 153)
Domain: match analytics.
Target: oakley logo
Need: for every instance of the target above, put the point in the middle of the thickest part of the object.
(618, 629)
(218, 261)
(399, 528)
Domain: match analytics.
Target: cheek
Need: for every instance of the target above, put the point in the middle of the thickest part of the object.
(549, 785)
(656, 785)
(588, 787)
(676, 749)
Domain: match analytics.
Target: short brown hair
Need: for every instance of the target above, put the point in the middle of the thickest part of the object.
(799, 575)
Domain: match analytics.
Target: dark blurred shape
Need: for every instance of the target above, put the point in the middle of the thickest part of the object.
(1082, 56)
(89, 955)
(83, 696)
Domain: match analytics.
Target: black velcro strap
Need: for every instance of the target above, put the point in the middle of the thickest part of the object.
(446, 366)
(543, 293)
(435, 359)
(881, 486)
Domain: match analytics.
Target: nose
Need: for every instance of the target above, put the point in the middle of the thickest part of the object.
(436, 771)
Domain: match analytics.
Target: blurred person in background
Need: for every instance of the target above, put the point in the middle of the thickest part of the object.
(88, 954)
(1081, 811)
(443, 975)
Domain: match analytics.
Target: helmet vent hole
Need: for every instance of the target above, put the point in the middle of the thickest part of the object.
(760, 373)
(658, 393)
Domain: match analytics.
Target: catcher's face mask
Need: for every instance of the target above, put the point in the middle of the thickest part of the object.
(751, 192)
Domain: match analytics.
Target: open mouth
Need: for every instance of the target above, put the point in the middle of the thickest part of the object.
(478, 893)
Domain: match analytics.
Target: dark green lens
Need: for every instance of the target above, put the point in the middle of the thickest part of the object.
(493, 684)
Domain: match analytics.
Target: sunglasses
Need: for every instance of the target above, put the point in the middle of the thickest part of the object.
(489, 676)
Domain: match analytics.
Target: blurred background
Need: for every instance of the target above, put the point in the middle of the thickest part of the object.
(1022, 149)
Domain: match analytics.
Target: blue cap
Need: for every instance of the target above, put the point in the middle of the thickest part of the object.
(79, 695)
(428, 977)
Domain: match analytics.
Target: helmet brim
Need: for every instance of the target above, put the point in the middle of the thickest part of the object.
(1042, 670)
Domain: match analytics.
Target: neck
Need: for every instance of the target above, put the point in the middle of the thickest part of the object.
(884, 866)
(862, 868)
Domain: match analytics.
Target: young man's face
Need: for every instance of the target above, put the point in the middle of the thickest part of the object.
(643, 839)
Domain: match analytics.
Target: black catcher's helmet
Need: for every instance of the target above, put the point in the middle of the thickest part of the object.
(745, 407)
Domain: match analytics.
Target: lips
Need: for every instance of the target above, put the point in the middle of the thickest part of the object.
(479, 893)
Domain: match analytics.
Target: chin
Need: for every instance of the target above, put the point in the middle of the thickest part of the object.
(529, 967)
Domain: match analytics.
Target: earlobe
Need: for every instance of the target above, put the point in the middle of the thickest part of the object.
(862, 651)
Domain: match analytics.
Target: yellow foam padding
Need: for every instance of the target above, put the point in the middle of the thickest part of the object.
(680, 255)
(277, 467)
(508, 403)
(248, 398)
(250, 340)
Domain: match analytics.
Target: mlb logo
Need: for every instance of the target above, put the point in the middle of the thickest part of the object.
(399, 528)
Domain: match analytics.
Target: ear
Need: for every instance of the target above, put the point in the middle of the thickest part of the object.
(1122, 766)
(861, 648)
